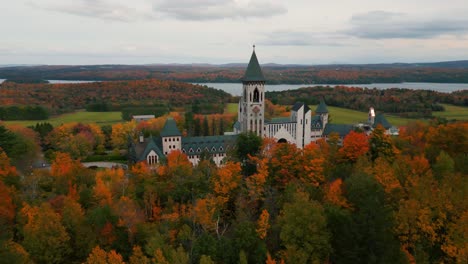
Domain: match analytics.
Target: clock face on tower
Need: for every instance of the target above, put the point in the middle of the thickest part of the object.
(256, 110)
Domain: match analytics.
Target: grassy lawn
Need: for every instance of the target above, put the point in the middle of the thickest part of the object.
(100, 118)
(340, 115)
(453, 112)
(231, 108)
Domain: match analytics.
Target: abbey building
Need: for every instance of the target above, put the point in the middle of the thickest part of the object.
(301, 128)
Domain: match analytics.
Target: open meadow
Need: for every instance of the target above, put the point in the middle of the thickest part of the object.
(100, 118)
(338, 115)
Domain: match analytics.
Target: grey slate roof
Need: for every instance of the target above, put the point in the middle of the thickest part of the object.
(298, 106)
(342, 130)
(279, 120)
(321, 108)
(211, 144)
(254, 71)
(143, 149)
(380, 119)
(316, 122)
(237, 125)
(170, 129)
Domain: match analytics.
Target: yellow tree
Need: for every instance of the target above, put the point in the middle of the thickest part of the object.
(226, 181)
(45, 238)
(313, 163)
(100, 256)
(120, 134)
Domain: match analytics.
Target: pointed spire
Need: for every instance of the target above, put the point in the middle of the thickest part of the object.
(254, 71)
(170, 129)
(321, 108)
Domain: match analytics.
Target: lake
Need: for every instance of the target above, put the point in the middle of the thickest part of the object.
(59, 81)
(236, 88)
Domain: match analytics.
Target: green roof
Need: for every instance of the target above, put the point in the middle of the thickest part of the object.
(151, 146)
(342, 130)
(170, 129)
(254, 71)
(321, 108)
(212, 144)
(278, 120)
(380, 119)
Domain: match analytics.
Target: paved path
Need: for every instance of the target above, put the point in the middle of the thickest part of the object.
(104, 164)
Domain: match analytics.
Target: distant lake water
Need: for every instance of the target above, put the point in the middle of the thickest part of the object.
(236, 88)
(67, 81)
(60, 81)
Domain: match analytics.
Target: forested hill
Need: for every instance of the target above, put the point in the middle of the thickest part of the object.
(404, 102)
(444, 72)
(61, 98)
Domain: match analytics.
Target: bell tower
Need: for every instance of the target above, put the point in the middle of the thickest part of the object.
(251, 105)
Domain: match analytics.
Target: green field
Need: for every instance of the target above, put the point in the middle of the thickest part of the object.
(100, 118)
(340, 115)
(337, 115)
(453, 112)
(231, 108)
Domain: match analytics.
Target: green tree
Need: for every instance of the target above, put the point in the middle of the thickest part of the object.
(304, 231)
(45, 238)
(372, 223)
(248, 144)
(381, 144)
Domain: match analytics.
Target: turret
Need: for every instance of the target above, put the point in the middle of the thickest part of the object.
(251, 105)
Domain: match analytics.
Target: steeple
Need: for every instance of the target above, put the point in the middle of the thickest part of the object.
(253, 72)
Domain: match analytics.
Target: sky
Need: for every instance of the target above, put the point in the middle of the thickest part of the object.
(75, 32)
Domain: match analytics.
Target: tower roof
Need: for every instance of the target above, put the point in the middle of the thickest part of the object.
(321, 108)
(381, 120)
(254, 71)
(170, 129)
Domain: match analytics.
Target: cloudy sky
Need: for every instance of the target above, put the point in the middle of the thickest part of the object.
(223, 31)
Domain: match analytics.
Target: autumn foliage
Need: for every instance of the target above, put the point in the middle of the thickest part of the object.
(371, 199)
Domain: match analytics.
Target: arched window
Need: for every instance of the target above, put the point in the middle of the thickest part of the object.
(256, 95)
(152, 158)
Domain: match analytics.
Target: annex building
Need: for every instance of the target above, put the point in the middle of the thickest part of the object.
(301, 128)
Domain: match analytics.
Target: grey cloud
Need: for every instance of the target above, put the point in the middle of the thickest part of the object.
(387, 25)
(217, 9)
(101, 9)
(301, 38)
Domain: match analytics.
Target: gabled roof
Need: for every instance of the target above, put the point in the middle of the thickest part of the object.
(213, 144)
(170, 129)
(321, 108)
(316, 122)
(254, 71)
(146, 148)
(342, 130)
(380, 119)
(298, 106)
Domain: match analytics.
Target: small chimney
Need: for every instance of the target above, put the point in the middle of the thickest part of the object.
(141, 138)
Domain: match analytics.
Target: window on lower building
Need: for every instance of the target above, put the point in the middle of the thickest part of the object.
(152, 159)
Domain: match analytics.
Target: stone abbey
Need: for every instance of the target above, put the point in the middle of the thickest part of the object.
(301, 128)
